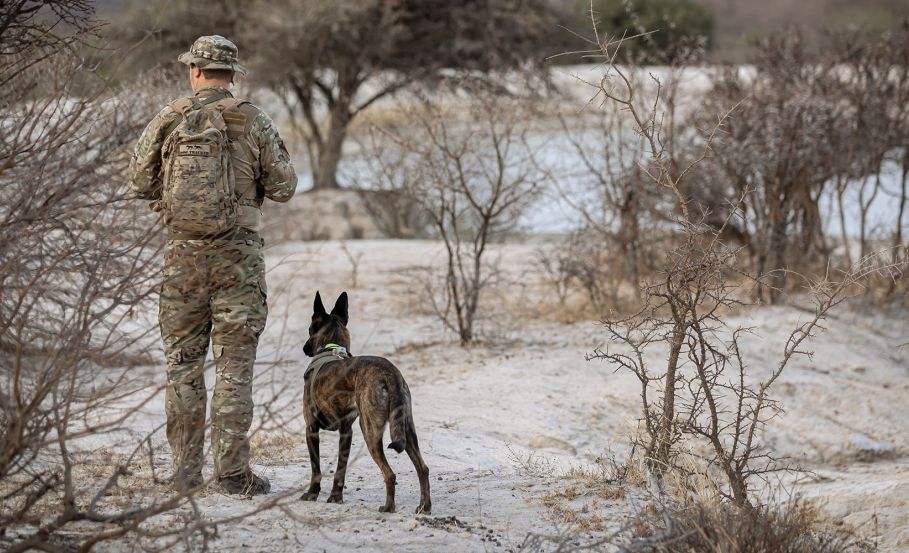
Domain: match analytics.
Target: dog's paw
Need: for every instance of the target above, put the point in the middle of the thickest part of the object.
(336, 498)
(387, 509)
(423, 509)
(309, 496)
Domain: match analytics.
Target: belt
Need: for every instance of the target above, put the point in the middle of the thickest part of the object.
(239, 233)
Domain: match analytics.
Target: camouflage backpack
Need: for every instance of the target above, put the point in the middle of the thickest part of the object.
(199, 193)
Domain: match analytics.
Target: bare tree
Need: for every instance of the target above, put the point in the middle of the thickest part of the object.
(332, 60)
(704, 391)
(815, 124)
(898, 103)
(474, 177)
(776, 154)
(626, 219)
(78, 268)
(32, 31)
(614, 201)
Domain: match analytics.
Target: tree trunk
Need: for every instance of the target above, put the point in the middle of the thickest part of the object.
(898, 235)
(865, 208)
(777, 260)
(661, 444)
(737, 485)
(629, 235)
(841, 208)
(326, 174)
(773, 257)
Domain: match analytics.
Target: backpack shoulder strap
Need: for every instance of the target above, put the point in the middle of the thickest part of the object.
(236, 118)
(229, 103)
(180, 106)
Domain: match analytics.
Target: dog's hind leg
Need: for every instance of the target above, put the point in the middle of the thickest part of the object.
(312, 444)
(413, 451)
(372, 434)
(337, 489)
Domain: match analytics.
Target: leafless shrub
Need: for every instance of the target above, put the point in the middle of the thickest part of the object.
(871, 81)
(396, 214)
(604, 258)
(32, 31)
(626, 221)
(473, 179)
(704, 391)
(591, 265)
(710, 527)
(614, 203)
(777, 160)
(73, 268)
(815, 125)
(686, 274)
(78, 267)
(711, 395)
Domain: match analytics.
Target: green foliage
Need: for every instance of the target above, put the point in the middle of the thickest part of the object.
(680, 29)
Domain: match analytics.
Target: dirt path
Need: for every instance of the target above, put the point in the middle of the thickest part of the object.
(513, 431)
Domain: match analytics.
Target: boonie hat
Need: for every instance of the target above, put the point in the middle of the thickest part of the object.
(213, 52)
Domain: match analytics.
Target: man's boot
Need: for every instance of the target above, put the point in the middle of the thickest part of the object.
(245, 483)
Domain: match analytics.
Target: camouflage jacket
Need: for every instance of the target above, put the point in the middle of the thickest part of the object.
(260, 161)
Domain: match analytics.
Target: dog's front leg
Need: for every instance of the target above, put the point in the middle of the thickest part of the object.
(312, 443)
(337, 489)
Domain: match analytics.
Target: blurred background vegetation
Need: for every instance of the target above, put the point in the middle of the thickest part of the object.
(729, 27)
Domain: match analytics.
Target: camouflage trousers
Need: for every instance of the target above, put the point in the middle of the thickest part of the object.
(216, 290)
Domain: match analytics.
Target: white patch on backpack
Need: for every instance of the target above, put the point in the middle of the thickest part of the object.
(194, 150)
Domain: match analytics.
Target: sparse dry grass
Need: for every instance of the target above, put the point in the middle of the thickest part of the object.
(136, 485)
(570, 507)
(275, 447)
(711, 527)
(580, 495)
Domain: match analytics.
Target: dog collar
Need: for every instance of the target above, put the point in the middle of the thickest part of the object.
(338, 350)
(324, 357)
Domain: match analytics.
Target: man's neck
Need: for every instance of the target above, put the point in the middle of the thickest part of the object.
(213, 85)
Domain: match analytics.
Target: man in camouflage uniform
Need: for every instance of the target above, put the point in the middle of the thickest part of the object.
(214, 286)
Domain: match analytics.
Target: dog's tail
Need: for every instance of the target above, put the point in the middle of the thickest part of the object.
(399, 414)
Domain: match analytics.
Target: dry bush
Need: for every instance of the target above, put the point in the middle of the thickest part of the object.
(701, 525)
(587, 264)
(473, 179)
(704, 394)
(79, 264)
(817, 140)
(814, 125)
(395, 213)
(685, 282)
(775, 155)
(616, 206)
(627, 218)
(73, 267)
(626, 222)
(715, 527)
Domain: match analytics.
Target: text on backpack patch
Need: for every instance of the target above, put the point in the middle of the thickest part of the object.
(194, 150)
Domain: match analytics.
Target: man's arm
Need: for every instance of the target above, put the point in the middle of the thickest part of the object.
(145, 165)
(278, 178)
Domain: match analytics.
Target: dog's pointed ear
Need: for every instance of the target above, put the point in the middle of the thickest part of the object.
(318, 310)
(340, 308)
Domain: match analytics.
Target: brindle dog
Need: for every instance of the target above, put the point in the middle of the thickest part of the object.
(369, 387)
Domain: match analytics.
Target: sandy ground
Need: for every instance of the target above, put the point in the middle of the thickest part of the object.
(508, 425)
